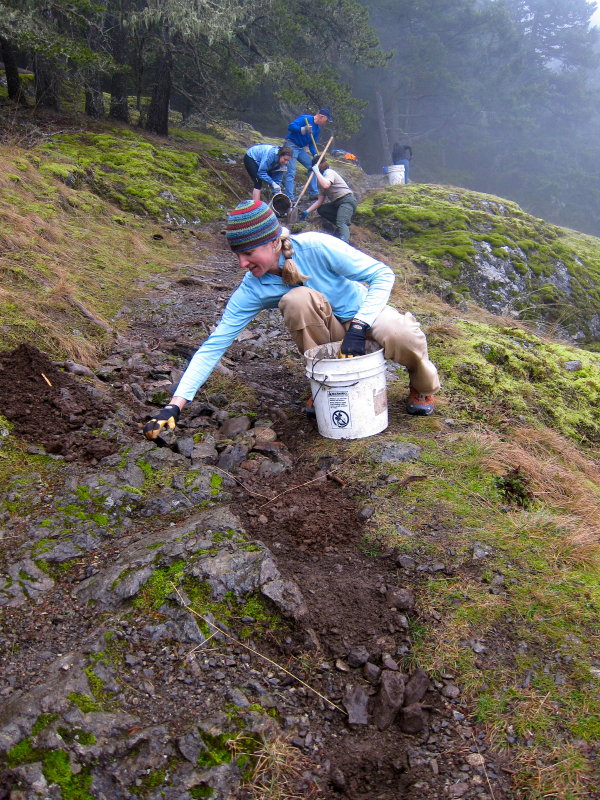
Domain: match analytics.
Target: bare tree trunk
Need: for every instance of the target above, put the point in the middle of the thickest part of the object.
(383, 133)
(47, 83)
(119, 106)
(11, 70)
(157, 120)
(395, 129)
(94, 99)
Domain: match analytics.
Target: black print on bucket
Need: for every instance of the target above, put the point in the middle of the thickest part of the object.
(339, 408)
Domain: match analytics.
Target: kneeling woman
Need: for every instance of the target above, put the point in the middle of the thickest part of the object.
(327, 291)
(336, 202)
(265, 163)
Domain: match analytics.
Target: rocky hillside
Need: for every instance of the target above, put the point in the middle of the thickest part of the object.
(481, 248)
(247, 609)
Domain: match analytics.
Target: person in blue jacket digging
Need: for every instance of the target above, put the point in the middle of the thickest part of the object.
(265, 163)
(326, 290)
(304, 132)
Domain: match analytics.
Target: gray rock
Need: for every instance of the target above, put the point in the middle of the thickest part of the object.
(400, 598)
(357, 656)
(412, 719)
(389, 698)
(406, 562)
(481, 551)
(371, 672)
(204, 453)
(233, 426)
(233, 455)
(416, 687)
(283, 592)
(276, 451)
(185, 446)
(395, 452)
(451, 691)
(573, 366)
(355, 701)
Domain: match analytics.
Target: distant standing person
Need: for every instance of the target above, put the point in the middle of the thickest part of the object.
(401, 155)
(336, 202)
(265, 163)
(304, 132)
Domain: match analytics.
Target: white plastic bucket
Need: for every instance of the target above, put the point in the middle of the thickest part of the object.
(395, 174)
(349, 394)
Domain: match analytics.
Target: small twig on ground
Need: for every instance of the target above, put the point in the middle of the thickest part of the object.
(330, 475)
(255, 652)
(237, 480)
(487, 777)
(45, 378)
(411, 478)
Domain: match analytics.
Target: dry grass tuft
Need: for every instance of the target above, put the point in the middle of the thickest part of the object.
(279, 770)
(561, 478)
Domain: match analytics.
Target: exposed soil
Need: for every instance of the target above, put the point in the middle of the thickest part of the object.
(311, 523)
(51, 408)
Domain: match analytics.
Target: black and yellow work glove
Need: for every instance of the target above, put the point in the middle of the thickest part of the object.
(354, 342)
(166, 418)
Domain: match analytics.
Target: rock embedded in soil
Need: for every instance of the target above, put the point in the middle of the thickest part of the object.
(412, 718)
(389, 698)
(416, 687)
(356, 699)
(401, 599)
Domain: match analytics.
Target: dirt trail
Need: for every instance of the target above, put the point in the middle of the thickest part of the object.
(354, 630)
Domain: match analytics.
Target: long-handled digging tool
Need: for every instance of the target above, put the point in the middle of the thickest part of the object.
(292, 216)
(311, 134)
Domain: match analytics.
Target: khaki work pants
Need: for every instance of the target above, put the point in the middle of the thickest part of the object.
(311, 322)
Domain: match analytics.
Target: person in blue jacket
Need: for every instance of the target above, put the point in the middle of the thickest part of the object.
(265, 163)
(304, 132)
(326, 290)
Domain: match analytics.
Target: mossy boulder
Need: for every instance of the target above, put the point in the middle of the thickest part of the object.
(136, 173)
(487, 249)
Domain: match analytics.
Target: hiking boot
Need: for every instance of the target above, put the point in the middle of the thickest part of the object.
(419, 404)
(309, 409)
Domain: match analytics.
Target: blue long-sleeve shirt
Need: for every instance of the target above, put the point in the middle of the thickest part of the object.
(334, 268)
(300, 139)
(269, 169)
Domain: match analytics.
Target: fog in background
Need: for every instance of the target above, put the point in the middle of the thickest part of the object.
(500, 96)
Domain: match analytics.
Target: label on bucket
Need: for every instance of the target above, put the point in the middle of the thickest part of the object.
(339, 408)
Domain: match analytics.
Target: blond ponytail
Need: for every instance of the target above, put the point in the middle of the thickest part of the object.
(290, 273)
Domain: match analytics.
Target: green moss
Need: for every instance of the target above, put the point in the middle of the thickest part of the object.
(84, 702)
(217, 752)
(22, 753)
(57, 770)
(70, 735)
(152, 780)
(159, 586)
(136, 174)
(440, 231)
(201, 791)
(55, 767)
(216, 481)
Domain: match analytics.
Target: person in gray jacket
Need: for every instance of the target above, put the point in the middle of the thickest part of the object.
(266, 163)
(336, 202)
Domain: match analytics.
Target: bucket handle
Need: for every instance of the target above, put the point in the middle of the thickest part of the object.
(323, 384)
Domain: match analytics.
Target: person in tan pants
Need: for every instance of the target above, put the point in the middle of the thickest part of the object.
(310, 320)
(327, 292)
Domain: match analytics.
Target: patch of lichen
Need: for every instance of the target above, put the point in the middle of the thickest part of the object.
(440, 229)
(493, 373)
(139, 175)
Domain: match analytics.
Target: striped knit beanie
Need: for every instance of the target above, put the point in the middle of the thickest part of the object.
(251, 224)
